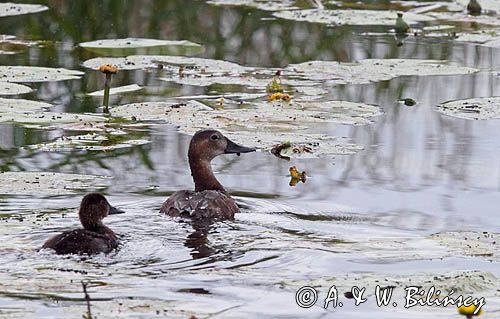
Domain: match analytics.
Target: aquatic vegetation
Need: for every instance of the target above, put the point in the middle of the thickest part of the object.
(373, 70)
(121, 47)
(470, 243)
(269, 5)
(21, 106)
(13, 9)
(350, 17)
(47, 183)
(106, 141)
(118, 90)
(279, 96)
(108, 70)
(36, 74)
(275, 85)
(474, 8)
(262, 129)
(296, 176)
(472, 109)
(401, 27)
(7, 88)
(469, 311)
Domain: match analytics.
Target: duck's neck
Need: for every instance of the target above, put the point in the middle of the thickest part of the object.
(203, 176)
(92, 225)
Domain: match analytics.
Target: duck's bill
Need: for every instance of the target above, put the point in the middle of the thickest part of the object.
(233, 148)
(114, 211)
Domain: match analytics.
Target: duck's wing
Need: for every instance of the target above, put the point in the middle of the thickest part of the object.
(200, 205)
(81, 241)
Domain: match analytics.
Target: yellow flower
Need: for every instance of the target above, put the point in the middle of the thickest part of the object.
(108, 68)
(469, 310)
(279, 96)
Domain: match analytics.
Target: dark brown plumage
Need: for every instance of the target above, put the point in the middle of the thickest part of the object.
(94, 238)
(209, 200)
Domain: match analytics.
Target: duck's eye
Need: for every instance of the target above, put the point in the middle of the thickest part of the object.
(214, 137)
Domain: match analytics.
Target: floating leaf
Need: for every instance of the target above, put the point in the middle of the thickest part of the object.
(121, 47)
(350, 17)
(118, 90)
(14, 9)
(373, 70)
(36, 74)
(90, 142)
(269, 5)
(472, 109)
(263, 127)
(45, 183)
(7, 88)
(21, 106)
(48, 117)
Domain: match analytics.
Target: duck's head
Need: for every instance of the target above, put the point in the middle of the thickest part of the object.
(208, 144)
(93, 208)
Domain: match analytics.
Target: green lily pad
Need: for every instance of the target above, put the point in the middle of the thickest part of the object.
(475, 244)
(464, 17)
(36, 74)
(14, 9)
(264, 125)
(48, 117)
(45, 183)
(373, 70)
(21, 106)
(118, 90)
(90, 142)
(269, 5)
(7, 88)
(350, 17)
(472, 109)
(121, 47)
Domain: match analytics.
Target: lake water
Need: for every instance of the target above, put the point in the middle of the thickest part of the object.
(365, 219)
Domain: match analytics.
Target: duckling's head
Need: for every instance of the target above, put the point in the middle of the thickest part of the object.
(208, 144)
(93, 208)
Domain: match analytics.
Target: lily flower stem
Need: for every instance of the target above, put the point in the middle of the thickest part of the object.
(105, 99)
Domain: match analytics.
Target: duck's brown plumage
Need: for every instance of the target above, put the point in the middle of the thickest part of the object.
(94, 238)
(209, 200)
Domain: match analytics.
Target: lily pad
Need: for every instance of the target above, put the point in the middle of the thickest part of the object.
(475, 244)
(350, 17)
(120, 47)
(14, 9)
(36, 74)
(118, 90)
(48, 117)
(7, 88)
(21, 106)
(43, 183)
(472, 109)
(464, 17)
(90, 142)
(269, 5)
(190, 65)
(373, 70)
(264, 125)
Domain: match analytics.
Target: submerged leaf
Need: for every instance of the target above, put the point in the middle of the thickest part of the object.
(121, 47)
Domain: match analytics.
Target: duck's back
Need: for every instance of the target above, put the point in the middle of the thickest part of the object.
(209, 204)
(82, 241)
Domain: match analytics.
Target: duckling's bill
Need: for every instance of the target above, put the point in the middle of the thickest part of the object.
(114, 211)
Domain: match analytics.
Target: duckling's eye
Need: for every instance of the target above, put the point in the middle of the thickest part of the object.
(214, 137)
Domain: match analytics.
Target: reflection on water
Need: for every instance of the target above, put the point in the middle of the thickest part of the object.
(420, 173)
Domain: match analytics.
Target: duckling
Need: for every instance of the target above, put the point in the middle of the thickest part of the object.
(401, 27)
(209, 200)
(94, 238)
(474, 8)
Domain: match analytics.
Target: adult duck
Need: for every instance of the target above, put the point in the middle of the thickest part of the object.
(209, 200)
